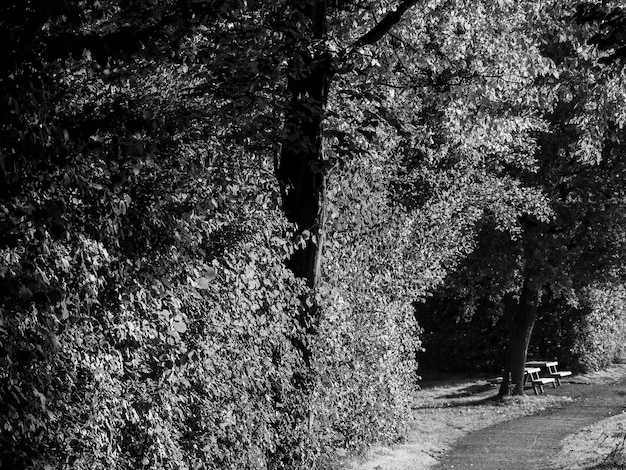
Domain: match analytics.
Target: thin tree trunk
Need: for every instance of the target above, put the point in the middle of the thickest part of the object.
(521, 332)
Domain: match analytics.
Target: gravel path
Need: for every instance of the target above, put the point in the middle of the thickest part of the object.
(531, 442)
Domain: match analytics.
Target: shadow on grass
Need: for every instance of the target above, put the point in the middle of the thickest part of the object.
(444, 379)
(607, 466)
(458, 404)
(469, 391)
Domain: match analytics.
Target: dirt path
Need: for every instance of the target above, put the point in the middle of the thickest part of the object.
(531, 442)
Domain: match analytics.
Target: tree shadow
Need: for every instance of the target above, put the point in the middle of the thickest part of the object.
(469, 391)
(439, 403)
(607, 466)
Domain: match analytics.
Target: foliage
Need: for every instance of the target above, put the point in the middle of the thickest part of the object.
(146, 316)
(367, 330)
(610, 19)
(602, 331)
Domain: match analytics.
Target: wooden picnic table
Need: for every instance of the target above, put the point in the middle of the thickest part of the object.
(532, 374)
(552, 369)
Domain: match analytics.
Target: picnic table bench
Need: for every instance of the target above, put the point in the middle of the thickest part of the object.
(532, 374)
(552, 368)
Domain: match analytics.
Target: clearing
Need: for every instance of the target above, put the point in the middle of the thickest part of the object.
(445, 411)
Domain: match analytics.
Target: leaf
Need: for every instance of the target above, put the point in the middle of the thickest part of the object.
(179, 324)
(202, 283)
(41, 396)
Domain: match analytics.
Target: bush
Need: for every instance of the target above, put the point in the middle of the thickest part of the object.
(601, 333)
(147, 319)
(367, 340)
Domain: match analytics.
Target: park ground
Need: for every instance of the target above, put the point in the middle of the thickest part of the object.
(448, 409)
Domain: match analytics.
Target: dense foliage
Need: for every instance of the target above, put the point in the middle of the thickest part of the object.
(550, 264)
(147, 318)
(163, 302)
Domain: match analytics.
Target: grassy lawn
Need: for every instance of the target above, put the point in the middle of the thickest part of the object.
(597, 447)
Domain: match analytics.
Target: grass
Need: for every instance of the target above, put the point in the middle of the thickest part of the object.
(449, 408)
(601, 446)
(597, 447)
(444, 411)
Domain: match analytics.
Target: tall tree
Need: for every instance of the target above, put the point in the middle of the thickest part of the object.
(302, 166)
(580, 168)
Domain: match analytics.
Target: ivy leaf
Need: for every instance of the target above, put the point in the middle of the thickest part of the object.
(202, 283)
(41, 396)
(179, 324)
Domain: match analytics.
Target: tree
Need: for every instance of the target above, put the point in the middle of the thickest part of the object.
(481, 118)
(582, 183)
(302, 166)
(495, 160)
(570, 156)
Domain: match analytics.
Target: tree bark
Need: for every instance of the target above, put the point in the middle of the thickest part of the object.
(299, 168)
(519, 339)
(300, 174)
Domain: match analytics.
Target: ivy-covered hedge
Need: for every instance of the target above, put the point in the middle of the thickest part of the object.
(146, 315)
(367, 343)
(147, 319)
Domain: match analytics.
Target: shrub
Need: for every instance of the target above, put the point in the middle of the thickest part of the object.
(602, 330)
(147, 319)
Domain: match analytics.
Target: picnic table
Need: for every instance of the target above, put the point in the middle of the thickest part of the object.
(532, 374)
(552, 368)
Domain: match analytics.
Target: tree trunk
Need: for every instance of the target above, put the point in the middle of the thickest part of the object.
(521, 331)
(300, 169)
(302, 185)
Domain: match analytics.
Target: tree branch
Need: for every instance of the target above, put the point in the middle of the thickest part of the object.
(385, 25)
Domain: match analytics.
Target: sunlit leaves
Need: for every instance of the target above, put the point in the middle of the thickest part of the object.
(146, 304)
